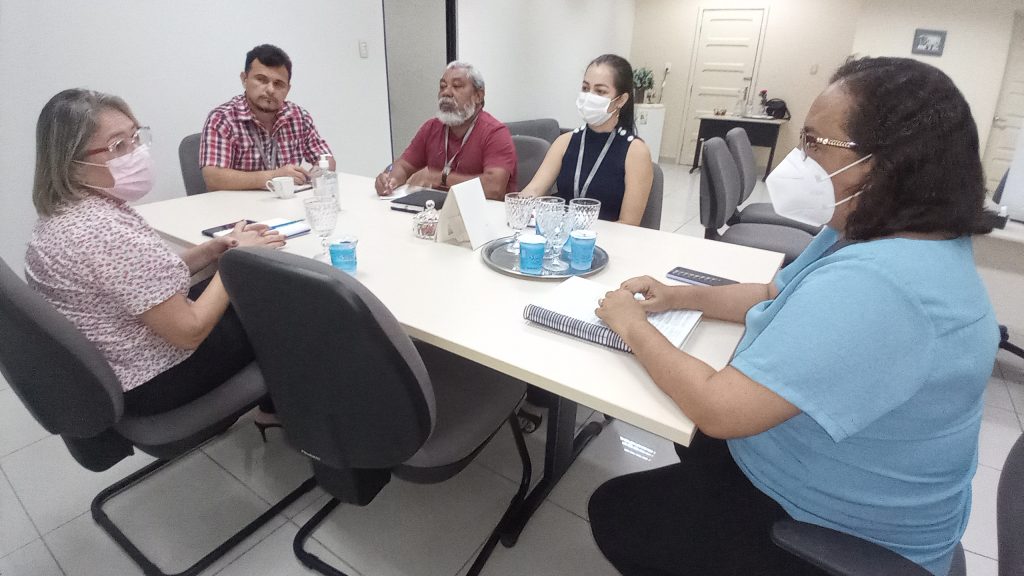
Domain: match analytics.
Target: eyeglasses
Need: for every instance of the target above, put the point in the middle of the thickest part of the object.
(142, 136)
(808, 142)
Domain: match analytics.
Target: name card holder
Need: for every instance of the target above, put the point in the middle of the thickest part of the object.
(463, 218)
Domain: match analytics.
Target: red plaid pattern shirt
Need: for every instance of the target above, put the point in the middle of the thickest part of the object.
(233, 138)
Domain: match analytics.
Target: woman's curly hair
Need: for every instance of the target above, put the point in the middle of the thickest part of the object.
(927, 174)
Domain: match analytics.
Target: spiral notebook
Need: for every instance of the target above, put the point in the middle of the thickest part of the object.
(570, 310)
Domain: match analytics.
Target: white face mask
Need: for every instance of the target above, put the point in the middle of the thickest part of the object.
(594, 108)
(801, 190)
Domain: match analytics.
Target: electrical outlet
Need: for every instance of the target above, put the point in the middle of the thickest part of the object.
(363, 50)
(668, 66)
(642, 117)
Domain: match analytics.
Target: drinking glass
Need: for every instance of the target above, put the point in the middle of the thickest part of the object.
(543, 203)
(518, 210)
(322, 217)
(557, 223)
(586, 211)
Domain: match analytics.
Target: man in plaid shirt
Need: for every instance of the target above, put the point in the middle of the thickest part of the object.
(259, 135)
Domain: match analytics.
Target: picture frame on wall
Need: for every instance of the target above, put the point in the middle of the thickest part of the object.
(929, 42)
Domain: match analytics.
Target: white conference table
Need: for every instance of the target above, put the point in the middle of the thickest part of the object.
(446, 295)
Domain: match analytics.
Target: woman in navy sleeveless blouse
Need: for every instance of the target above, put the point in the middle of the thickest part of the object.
(614, 165)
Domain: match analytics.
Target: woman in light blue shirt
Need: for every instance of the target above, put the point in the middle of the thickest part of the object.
(854, 399)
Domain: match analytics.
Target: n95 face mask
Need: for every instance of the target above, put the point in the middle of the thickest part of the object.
(801, 190)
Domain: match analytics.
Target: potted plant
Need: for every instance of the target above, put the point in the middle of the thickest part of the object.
(643, 80)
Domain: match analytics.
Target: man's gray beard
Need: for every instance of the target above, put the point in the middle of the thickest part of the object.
(457, 117)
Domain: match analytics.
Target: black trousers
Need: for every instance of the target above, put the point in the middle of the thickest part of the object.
(701, 517)
(225, 351)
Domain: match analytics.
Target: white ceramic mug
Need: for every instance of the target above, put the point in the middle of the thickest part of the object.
(283, 186)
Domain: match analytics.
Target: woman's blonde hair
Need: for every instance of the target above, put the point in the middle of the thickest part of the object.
(65, 125)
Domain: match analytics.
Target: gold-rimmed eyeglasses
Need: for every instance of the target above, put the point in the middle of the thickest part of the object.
(142, 135)
(809, 142)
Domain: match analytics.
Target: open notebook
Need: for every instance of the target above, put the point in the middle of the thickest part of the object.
(570, 309)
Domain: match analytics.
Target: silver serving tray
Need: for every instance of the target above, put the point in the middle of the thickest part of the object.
(500, 259)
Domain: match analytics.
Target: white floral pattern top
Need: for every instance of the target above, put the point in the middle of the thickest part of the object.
(102, 266)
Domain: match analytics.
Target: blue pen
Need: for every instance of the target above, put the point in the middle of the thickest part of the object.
(283, 224)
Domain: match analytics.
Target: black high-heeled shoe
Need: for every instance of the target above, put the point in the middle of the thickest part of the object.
(262, 427)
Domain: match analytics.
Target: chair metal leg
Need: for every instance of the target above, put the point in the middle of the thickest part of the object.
(309, 559)
(313, 562)
(513, 506)
(1005, 344)
(147, 566)
(560, 451)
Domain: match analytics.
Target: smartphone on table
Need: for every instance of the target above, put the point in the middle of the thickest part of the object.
(223, 229)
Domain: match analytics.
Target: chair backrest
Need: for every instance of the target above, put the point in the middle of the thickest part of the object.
(191, 171)
(743, 155)
(62, 379)
(652, 214)
(530, 151)
(719, 185)
(544, 128)
(997, 194)
(1010, 512)
(346, 380)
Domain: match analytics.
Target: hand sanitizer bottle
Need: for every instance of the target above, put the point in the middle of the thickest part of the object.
(326, 182)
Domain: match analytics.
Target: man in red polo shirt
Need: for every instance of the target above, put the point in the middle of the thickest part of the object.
(260, 135)
(461, 143)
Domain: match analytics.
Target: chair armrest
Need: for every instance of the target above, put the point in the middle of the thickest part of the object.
(840, 554)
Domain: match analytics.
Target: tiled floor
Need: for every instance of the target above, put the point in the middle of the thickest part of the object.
(46, 529)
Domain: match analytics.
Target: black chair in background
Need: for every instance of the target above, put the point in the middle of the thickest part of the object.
(544, 128)
(530, 152)
(69, 388)
(840, 554)
(355, 394)
(652, 213)
(755, 212)
(720, 191)
(191, 171)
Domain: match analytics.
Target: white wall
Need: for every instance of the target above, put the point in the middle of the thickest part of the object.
(415, 33)
(533, 53)
(173, 62)
(977, 43)
(800, 34)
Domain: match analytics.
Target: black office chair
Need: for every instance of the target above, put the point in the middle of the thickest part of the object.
(652, 212)
(355, 394)
(840, 554)
(544, 128)
(191, 171)
(720, 191)
(530, 152)
(70, 389)
(755, 212)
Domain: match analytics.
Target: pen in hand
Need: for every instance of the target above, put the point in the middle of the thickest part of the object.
(389, 184)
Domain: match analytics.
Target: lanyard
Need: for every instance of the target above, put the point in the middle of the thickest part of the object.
(576, 192)
(270, 154)
(448, 161)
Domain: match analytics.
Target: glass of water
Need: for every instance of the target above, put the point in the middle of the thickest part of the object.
(322, 217)
(556, 222)
(518, 210)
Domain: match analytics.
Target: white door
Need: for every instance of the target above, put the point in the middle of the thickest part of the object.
(722, 72)
(1009, 117)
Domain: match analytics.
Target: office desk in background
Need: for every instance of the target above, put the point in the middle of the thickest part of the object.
(760, 131)
(445, 295)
